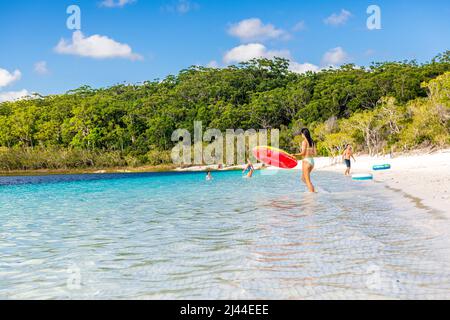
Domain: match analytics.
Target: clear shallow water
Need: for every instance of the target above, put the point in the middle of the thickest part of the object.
(177, 236)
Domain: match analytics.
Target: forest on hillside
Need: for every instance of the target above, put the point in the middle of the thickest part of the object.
(389, 106)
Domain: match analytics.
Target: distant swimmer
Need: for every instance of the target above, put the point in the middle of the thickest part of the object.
(209, 176)
(249, 168)
(347, 156)
(308, 153)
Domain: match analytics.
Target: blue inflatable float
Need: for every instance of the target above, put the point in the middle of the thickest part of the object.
(379, 167)
(362, 177)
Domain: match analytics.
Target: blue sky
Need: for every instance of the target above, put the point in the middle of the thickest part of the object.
(143, 40)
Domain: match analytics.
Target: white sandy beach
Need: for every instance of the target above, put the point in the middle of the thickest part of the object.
(423, 176)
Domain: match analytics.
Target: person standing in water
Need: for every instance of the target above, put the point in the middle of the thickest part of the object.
(208, 176)
(308, 153)
(249, 168)
(347, 155)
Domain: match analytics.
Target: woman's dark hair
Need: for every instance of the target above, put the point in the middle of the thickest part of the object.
(307, 135)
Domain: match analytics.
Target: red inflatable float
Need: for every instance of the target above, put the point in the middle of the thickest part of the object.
(275, 157)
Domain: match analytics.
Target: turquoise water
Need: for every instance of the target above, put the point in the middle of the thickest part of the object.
(177, 236)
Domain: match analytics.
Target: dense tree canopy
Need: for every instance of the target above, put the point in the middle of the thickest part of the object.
(401, 104)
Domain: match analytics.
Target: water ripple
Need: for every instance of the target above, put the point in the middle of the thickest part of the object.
(158, 236)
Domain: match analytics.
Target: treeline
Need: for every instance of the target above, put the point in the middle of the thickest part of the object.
(399, 105)
(392, 126)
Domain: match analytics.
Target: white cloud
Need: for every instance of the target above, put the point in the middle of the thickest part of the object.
(41, 67)
(96, 46)
(338, 19)
(303, 67)
(7, 78)
(250, 51)
(254, 30)
(299, 26)
(116, 3)
(181, 6)
(184, 6)
(213, 64)
(335, 57)
(13, 95)
(369, 52)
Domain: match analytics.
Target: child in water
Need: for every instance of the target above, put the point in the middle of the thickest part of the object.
(249, 168)
(209, 176)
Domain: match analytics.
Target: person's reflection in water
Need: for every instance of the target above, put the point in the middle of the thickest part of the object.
(279, 246)
(304, 207)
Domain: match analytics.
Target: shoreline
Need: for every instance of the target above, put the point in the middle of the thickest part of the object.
(141, 169)
(44, 172)
(421, 174)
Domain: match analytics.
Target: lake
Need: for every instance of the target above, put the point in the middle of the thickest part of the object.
(177, 236)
